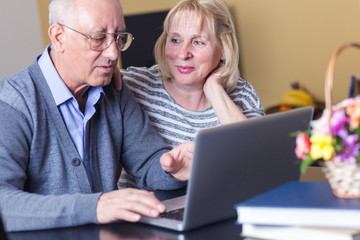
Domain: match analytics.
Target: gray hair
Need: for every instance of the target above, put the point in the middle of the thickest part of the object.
(58, 10)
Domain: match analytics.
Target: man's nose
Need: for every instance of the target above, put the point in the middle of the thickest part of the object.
(112, 52)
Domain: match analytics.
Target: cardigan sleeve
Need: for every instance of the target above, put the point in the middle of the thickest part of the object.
(24, 210)
(42, 182)
(142, 147)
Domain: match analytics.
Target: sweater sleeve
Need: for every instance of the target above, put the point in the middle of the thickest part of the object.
(247, 99)
(143, 147)
(25, 210)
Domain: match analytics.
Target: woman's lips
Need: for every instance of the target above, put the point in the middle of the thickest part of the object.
(185, 69)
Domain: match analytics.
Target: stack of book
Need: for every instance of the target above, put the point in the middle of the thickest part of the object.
(300, 210)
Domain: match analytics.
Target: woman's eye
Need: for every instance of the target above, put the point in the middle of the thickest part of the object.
(198, 43)
(174, 40)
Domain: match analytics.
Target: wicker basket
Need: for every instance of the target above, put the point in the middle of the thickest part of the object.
(344, 178)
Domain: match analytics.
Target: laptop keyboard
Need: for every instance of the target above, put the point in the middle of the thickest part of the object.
(176, 214)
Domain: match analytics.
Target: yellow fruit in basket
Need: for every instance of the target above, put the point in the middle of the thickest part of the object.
(297, 98)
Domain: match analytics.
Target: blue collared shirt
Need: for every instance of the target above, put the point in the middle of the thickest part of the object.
(77, 123)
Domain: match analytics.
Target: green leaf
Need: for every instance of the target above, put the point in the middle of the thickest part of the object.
(304, 164)
(294, 134)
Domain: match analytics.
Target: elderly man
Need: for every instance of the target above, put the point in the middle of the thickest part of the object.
(66, 130)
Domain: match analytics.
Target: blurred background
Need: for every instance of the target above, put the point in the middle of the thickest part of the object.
(281, 42)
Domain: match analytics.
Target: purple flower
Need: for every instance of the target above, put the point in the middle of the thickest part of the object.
(350, 148)
(338, 121)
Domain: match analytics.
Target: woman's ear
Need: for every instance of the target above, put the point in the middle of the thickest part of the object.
(56, 34)
(222, 58)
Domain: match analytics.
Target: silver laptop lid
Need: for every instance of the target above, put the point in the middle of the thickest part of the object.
(235, 162)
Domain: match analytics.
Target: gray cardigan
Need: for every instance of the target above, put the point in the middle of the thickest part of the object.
(43, 183)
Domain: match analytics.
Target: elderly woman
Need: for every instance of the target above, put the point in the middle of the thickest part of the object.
(196, 83)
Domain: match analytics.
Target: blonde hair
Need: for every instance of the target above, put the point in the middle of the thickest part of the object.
(222, 29)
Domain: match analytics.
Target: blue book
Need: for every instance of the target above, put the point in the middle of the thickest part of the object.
(303, 204)
(298, 232)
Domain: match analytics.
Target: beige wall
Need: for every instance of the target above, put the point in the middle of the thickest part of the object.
(282, 41)
(20, 39)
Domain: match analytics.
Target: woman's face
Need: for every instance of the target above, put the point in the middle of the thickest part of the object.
(191, 54)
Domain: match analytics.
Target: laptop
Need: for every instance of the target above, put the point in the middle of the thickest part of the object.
(233, 163)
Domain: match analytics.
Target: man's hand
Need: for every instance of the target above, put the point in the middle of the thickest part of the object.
(117, 78)
(178, 161)
(127, 204)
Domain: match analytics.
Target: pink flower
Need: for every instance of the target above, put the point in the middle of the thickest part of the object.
(344, 104)
(354, 114)
(302, 146)
(321, 125)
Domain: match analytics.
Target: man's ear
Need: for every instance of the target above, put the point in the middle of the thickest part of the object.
(56, 34)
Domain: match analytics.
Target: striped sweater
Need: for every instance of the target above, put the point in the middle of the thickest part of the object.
(174, 123)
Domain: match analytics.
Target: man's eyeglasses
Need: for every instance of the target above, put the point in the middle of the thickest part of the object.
(102, 40)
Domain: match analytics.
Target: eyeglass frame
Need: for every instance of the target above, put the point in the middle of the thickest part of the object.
(116, 37)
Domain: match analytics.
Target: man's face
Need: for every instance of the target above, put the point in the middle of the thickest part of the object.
(82, 66)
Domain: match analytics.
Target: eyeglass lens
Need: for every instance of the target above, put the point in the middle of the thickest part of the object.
(101, 41)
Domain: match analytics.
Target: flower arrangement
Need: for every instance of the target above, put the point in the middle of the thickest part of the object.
(333, 137)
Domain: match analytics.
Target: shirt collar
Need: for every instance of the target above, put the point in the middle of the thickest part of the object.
(57, 86)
